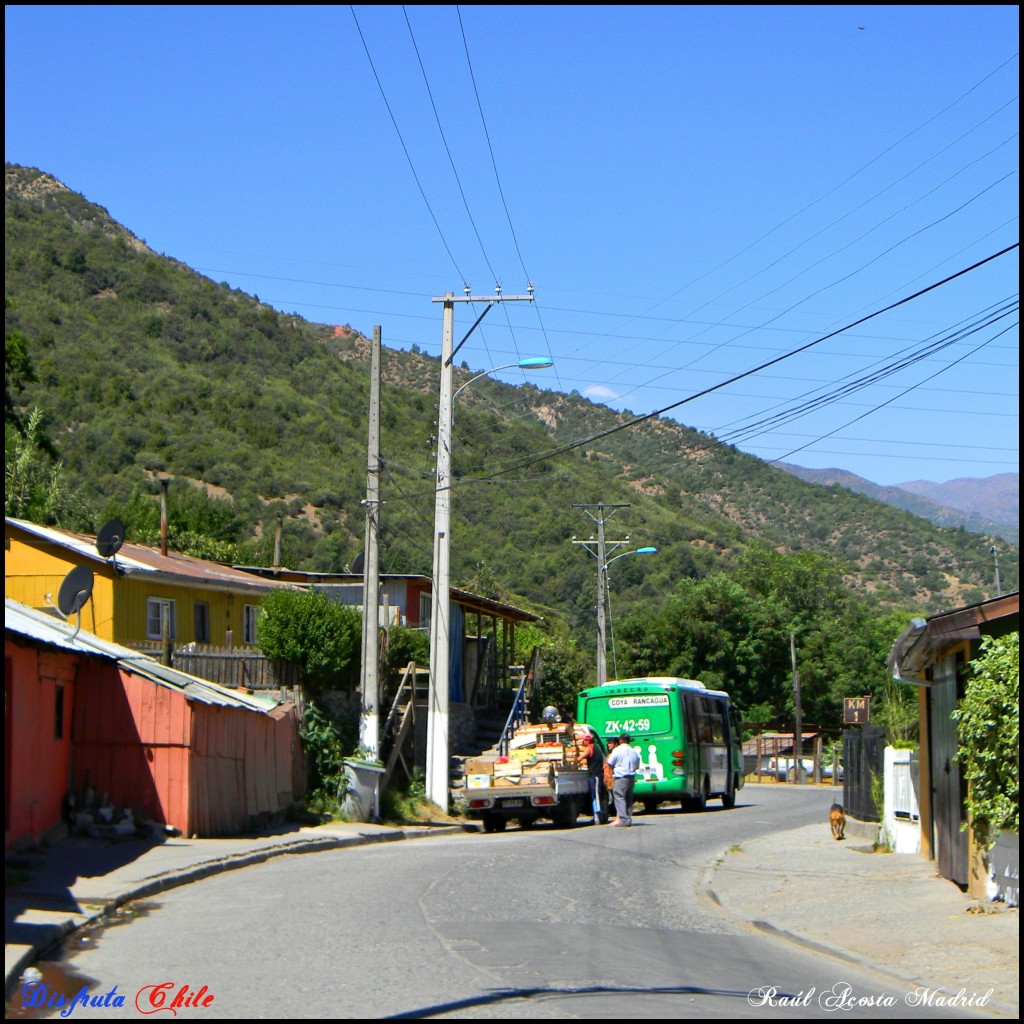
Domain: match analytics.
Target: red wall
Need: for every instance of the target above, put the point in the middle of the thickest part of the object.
(36, 759)
(131, 741)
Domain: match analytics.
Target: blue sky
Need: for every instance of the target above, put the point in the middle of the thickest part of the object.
(693, 191)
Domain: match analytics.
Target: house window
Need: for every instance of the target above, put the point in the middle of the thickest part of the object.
(425, 610)
(155, 611)
(201, 622)
(249, 616)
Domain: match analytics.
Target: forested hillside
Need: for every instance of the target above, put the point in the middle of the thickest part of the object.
(141, 367)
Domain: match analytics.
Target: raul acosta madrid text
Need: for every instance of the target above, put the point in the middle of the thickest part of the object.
(842, 996)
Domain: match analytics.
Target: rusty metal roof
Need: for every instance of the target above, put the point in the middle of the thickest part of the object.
(150, 563)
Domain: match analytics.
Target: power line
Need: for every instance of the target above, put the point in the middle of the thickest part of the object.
(444, 140)
(908, 358)
(580, 442)
(882, 405)
(405, 149)
(501, 193)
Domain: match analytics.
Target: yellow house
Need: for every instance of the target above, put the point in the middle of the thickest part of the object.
(140, 595)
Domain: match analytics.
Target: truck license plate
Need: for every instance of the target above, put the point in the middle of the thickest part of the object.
(513, 803)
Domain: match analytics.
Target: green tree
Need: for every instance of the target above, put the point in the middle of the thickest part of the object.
(405, 645)
(321, 636)
(36, 487)
(988, 721)
(197, 524)
(565, 669)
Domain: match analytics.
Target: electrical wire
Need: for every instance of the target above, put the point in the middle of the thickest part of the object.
(405, 149)
(569, 446)
(501, 192)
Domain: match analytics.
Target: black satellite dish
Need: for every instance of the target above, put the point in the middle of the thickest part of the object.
(75, 591)
(110, 538)
(357, 565)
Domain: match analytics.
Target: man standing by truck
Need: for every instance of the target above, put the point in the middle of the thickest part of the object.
(595, 772)
(624, 762)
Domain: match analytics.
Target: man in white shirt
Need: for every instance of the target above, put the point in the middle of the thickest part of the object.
(625, 762)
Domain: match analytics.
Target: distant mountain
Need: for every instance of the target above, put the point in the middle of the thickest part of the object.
(995, 498)
(986, 505)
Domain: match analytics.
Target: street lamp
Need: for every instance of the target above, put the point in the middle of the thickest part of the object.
(530, 363)
(608, 598)
(438, 755)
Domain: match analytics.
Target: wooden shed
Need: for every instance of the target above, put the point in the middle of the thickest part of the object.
(181, 751)
(932, 654)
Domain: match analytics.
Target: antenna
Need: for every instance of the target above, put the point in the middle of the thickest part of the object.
(110, 538)
(75, 592)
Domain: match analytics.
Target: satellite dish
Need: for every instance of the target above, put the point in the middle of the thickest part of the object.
(357, 564)
(110, 538)
(75, 591)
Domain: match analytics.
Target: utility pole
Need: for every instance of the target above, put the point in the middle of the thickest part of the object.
(598, 514)
(438, 753)
(999, 586)
(798, 737)
(369, 722)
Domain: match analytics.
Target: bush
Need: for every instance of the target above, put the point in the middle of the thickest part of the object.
(324, 746)
(405, 645)
(322, 637)
(989, 733)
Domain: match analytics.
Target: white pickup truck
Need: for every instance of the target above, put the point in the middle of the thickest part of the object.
(543, 776)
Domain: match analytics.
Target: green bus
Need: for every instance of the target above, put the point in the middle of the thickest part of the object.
(687, 736)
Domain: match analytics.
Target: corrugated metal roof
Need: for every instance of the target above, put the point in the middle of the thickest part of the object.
(46, 629)
(925, 640)
(474, 602)
(138, 559)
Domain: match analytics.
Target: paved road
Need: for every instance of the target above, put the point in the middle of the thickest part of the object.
(548, 923)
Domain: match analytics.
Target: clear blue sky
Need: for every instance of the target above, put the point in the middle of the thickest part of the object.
(693, 191)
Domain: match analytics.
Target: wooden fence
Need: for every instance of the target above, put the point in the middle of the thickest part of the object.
(234, 668)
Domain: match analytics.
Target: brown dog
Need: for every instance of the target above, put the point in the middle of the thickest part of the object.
(837, 819)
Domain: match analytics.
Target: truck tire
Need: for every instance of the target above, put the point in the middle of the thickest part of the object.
(567, 812)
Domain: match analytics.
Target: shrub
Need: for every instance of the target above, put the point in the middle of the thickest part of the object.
(322, 637)
(989, 732)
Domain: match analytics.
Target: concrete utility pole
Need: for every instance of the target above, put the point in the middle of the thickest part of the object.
(369, 722)
(798, 738)
(438, 752)
(598, 514)
(999, 586)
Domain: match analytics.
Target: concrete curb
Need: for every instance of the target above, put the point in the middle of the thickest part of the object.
(18, 958)
(820, 948)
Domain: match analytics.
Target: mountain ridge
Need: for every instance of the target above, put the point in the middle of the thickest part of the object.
(147, 367)
(983, 505)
